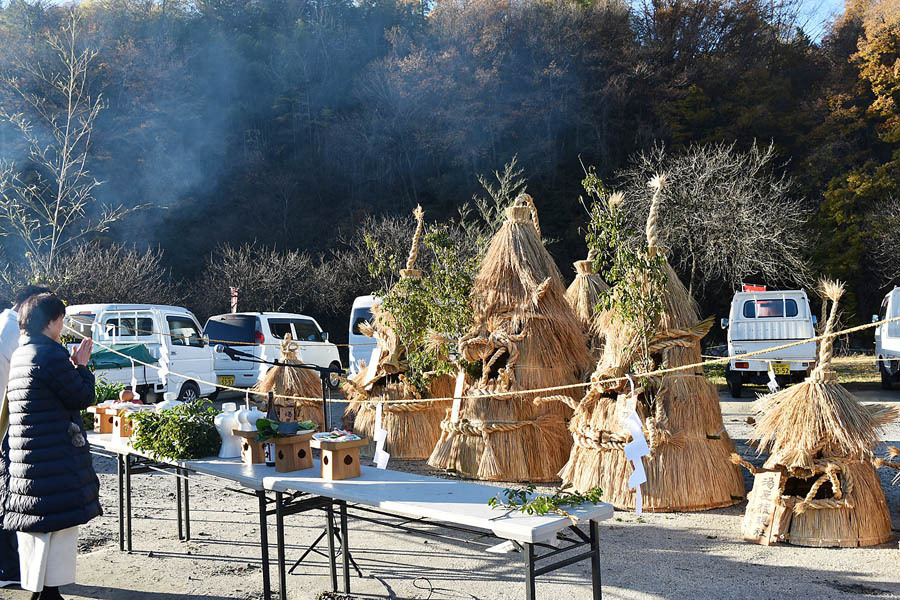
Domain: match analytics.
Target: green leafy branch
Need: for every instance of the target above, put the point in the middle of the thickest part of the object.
(525, 500)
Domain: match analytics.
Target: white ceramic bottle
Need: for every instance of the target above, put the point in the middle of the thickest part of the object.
(225, 422)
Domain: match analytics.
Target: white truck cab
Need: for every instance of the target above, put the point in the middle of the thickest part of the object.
(887, 339)
(761, 319)
(361, 346)
(168, 337)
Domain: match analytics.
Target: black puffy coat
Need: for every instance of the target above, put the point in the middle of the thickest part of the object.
(52, 483)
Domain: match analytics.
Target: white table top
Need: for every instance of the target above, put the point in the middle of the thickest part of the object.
(444, 500)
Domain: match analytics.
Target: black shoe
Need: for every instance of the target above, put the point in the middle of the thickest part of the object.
(50, 593)
(35, 596)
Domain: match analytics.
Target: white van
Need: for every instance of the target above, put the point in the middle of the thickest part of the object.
(887, 339)
(260, 334)
(166, 336)
(761, 319)
(360, 345)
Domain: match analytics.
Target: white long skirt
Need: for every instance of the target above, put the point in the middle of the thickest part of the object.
(47, 559)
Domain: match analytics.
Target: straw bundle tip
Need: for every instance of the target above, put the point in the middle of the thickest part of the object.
(658, 181)
(616, 199)
(893, 451)
(831, 289)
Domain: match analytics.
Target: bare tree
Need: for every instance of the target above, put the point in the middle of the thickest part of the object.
(267, 279)
(726, 215)
(48, 202)
(884, 218)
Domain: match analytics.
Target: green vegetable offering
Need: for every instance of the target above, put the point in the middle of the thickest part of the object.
(268, 428)
(186, 431)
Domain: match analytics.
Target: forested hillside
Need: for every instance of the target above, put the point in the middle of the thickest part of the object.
(260, 140)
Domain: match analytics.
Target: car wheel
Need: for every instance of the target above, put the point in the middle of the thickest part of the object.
(190, 392)
(334, 380)
(886, 383)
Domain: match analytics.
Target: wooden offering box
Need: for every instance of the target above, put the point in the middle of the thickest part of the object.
(340, 460)
(252, 452)
(121, 426)
(103, 423)
(293, 453)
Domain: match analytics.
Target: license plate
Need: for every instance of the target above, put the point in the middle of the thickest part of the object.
(781, 368)
(225, 379)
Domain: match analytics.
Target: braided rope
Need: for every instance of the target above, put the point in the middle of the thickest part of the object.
(478, 428)
(527, 200)
(567, 400)
(657, 184)
(828, 469)
(401, 408)
(419, 214)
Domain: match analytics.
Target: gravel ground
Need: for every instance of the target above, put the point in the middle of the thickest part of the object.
(677, 555)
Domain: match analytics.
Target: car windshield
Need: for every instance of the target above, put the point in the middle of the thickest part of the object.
(894, 327)
(81, 323)
(231, 329)
(774, 308)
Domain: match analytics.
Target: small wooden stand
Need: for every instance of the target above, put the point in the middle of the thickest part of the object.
(340, 460)
(251, 451)
(103, 423)
(293, 453)
(121, 426)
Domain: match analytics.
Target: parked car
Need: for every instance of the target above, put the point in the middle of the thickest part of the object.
(165, 335)
(887, 339)
(761, 319)
(260, 334)
(360, 345)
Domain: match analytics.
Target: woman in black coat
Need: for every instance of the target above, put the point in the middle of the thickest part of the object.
(52, 484)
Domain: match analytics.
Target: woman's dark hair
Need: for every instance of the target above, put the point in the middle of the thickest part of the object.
(27, 292)
(37, 312)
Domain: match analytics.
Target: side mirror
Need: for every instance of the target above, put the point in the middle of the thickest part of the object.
(204, 340)
(324, 336)
(724, 323)
(875, 318)
(815, 319)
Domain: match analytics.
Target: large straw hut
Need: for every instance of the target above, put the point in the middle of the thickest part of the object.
(304, 384)
(689, 466)
(413, 427)
(583, 295)
(819, 486)
(525, 337)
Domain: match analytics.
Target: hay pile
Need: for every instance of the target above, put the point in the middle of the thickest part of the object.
(291, 381)
(413, 428)
(689, 466)
(525, 337)
(583, 295)
(820, 439)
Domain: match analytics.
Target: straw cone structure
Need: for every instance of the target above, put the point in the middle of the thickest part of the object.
(291, 381)
(413, 428)
(689, 467)
(526, 337)
(583, 295)
(821, 439)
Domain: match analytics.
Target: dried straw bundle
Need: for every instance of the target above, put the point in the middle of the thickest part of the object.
(583, 295)
(821, 439)
(526, 337)
(689, 466)
(291, 381)
(413, 428)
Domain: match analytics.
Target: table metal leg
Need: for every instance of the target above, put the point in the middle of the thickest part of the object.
(121, 472)
(128, 503)
(264, 544)
(595, 560)
(331, 558)
(529, 571)
(187, 509)
(178, 502)
(279, 533)
(345, 547)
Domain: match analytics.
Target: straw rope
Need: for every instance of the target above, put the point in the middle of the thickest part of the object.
(419, 214)
(527, 200)
(657, 184)
(517, 393)
(398, 408)
(567, 400)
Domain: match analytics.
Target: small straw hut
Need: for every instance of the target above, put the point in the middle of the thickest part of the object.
(413, 427)
(526, 337)
(583, 295)
(819, 486)
(291, 381)
(689, 466)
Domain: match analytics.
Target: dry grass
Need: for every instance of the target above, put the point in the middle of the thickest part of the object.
(291, 381)
(583, 295)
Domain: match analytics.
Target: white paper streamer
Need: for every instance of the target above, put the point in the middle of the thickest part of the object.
(773, 383)
(134, 381)
(380, 437)
(635, 449)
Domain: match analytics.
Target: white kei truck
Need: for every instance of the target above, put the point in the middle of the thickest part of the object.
(761, 319)
(167, 337)
(887, 339)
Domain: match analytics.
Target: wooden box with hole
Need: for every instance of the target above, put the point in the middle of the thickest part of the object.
(103, 422)
(121, 424)
(340, 460)
(293, 453)
(252, 452)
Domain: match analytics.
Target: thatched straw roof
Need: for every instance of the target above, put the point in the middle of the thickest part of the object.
(583, 295)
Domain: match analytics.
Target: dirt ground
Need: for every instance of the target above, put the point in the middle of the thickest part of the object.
(678, 555)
